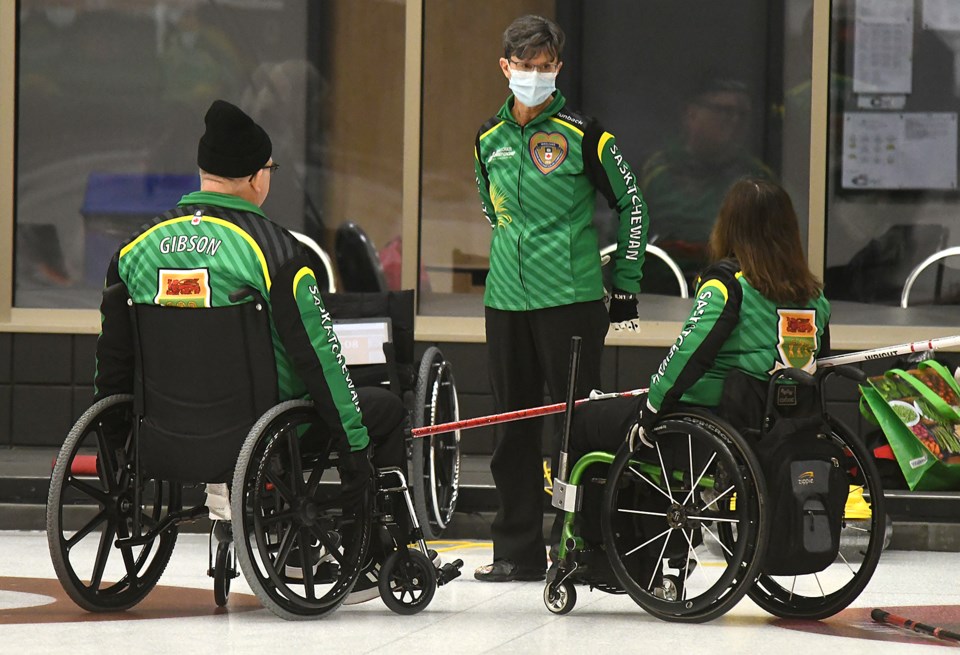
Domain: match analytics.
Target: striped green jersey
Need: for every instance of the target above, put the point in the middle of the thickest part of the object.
(537, 187)
(732, 326)
(211, 245)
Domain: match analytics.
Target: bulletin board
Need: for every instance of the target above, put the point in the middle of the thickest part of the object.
(900, 128)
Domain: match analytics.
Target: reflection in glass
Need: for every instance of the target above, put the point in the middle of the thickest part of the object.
(890, 205)
(111, 96)
(704, 114)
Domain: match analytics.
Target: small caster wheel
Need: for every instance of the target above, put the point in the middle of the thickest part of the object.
(560, 600)
(224, 570)
(408, 581)
(670, 589)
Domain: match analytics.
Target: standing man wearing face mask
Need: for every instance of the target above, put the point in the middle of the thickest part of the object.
(539, 165)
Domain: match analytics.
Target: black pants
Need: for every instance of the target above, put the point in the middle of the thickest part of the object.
(603, 425)
(384, 417)
(527, 349)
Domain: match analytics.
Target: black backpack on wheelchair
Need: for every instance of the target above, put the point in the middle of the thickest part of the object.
(806, 485)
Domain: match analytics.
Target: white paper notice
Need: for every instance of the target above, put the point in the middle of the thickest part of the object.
(883, 47)
(899, 151)
(941, 15)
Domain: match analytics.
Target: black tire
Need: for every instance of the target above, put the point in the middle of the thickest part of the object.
(407, 581)
(650, 527)
(562, 600)
(105, 434)
(820, 595)
(435, 470)
(224, 570)
(285, 498)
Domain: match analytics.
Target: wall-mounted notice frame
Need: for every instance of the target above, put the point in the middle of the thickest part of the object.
(883, 46)
(915, 150)
(941, 15)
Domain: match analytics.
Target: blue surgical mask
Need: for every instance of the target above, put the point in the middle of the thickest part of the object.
(532, 88)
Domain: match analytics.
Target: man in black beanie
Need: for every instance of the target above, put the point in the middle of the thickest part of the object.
(219, 240)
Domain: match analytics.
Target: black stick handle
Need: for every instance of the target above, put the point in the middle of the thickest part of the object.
(571, 401)
(882, 616)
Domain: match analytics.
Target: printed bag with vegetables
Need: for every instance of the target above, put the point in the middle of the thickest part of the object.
(919, 412)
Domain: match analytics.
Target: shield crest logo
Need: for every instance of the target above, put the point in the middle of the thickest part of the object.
(797, 339)
(548, 150)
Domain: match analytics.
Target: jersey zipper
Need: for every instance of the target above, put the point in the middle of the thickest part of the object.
(520, 205)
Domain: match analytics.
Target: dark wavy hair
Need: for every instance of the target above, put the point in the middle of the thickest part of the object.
(757, 226)
(528, 36)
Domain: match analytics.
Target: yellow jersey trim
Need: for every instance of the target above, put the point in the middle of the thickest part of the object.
(716, 284)
(488, 132)
(306, 270)
(216, 221)
(606, 136)
(569, 126)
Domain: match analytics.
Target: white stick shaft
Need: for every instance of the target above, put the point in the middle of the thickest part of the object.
(890, 351)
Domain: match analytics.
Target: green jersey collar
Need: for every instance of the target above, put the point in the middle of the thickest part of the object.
(220, 200)
(550, 110)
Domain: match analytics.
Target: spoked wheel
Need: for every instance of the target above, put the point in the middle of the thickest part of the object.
(407, 582)
(299, 539)
(224, 571)
(560, 599)
(95, 467)
(436, 459)
(823, 594)
(662, 510)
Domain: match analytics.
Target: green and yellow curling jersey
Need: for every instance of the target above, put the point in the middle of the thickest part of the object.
(195, 256)
(731, 327)
(537, 187)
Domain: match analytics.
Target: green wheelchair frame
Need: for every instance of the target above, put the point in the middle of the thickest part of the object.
(719, 465)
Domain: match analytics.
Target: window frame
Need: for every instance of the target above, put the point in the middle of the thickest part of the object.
(845, 336)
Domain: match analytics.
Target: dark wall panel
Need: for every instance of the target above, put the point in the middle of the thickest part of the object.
(43, 358)
(43, 414)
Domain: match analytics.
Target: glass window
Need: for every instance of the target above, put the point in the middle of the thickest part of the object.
(697, 94)
(892, 177)
(111, 98)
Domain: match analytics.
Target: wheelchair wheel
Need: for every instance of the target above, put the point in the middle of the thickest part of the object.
(560, 600)
(662, 510)
(823, 594)
(224, 570)
(407, 582)
(95, 465)
(299, 540)
(435, 459)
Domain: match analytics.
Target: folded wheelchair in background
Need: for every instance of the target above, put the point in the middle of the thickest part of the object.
(427, 388)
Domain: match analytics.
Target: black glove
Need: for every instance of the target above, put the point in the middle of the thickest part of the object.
(356, 470)
(623, 311)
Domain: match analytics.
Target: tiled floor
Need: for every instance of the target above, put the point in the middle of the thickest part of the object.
(465, 616)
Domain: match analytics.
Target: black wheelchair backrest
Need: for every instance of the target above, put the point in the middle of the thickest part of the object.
(202, 378)
(399, 370)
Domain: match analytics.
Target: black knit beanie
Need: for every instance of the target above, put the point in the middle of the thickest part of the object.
(233, 145)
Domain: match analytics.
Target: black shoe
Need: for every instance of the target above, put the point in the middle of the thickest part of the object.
(367, 586)
(504, 570)
(317, 555)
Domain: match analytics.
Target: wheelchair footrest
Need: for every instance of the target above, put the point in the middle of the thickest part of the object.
(448, 572)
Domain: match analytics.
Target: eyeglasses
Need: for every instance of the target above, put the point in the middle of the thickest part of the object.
(527, 67)
(271, 167)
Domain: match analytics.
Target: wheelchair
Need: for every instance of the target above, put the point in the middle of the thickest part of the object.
(822, 590)
(301, 535)
(660, 516)
(686, 524)
(429, 392)
(665, 498)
